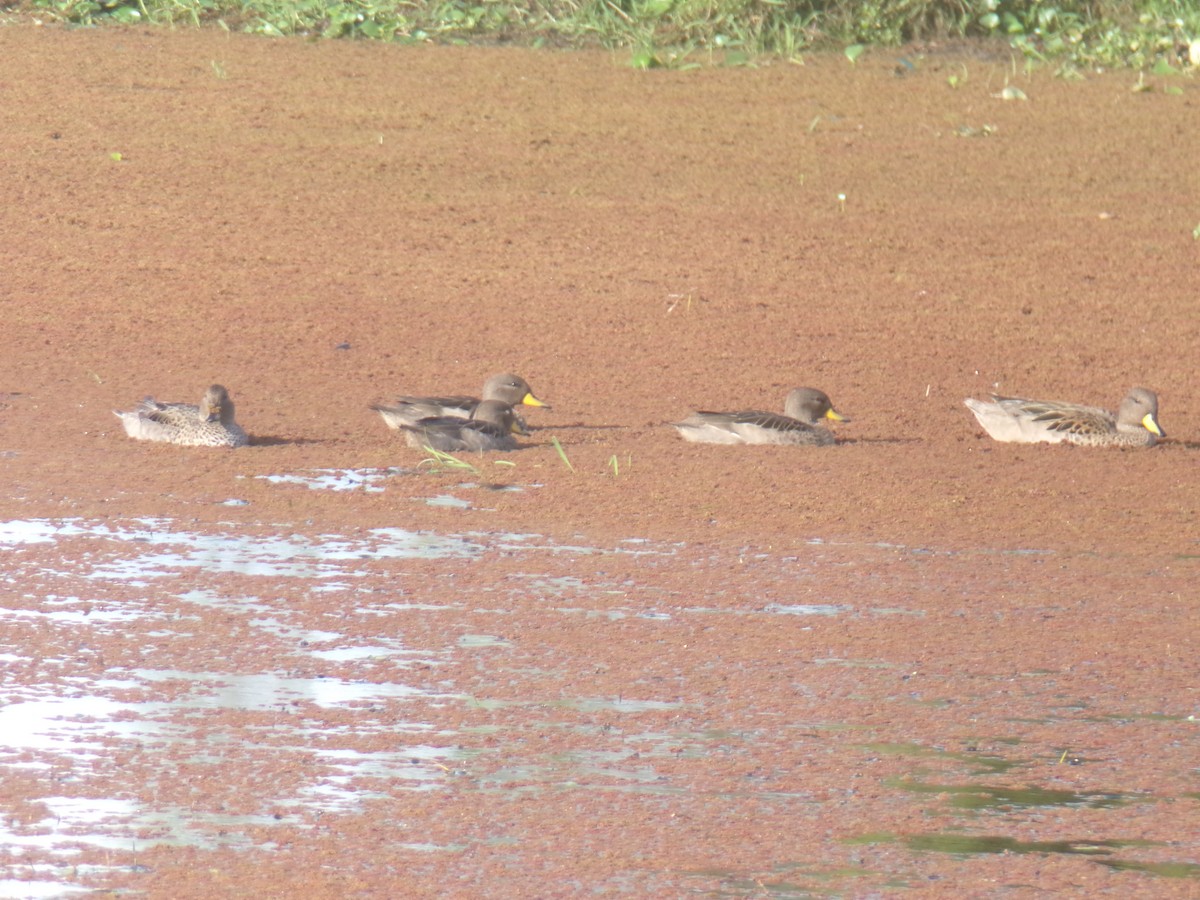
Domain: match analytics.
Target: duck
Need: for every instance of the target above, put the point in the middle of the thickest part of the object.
(490, 427)
(803, 409)
(1021, 421)
(210, 424)
(506, 388)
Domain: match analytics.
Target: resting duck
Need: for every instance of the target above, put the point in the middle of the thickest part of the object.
(210, 424)
(1019, 421)
(803, 409)
(509, 389)
(491, 427)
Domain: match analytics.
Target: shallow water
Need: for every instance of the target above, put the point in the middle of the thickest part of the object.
(326, 672)
(131, 577)
(367, 480)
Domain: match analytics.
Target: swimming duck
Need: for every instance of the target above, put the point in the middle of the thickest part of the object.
(510, 389)
(491, 427)
(1020, 421)
(803, 409)
(208, 425)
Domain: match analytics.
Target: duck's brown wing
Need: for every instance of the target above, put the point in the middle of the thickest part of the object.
(1056, 416)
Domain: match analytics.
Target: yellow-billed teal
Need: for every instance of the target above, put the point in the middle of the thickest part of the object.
(506, 388)
(491, 427)
(210, 424)
(1020, 421)
(803, 409)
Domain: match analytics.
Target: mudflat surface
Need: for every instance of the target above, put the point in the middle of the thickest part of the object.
(917, 663)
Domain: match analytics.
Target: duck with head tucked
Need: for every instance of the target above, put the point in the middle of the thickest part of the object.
(210, 424)
(803, 409)
(490, 427)
(1020, 421)
(509, 389)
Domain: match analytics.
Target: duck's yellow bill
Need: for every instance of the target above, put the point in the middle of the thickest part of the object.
(530, 400)
(835, 415)
(1151, 425)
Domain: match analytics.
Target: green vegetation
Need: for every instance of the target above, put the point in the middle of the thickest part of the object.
(562, 454)
(681, 33)
(440, 462)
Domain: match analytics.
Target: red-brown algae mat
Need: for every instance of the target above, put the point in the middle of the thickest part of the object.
(918, 663)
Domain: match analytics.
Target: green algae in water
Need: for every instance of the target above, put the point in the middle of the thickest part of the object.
(1164, 869)
(968, 844)
(1002, 798)
(979, 763)
(973, 844)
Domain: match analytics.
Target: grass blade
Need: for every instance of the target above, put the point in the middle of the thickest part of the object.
(438, 460)
(562, 454)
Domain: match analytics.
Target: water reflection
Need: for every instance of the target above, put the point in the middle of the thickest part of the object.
(178, 686)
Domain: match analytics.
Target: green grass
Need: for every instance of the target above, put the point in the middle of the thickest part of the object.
(438, 461)
(683, 33)
(562, 454)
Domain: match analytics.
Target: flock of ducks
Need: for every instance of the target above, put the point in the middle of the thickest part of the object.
(451, 424)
